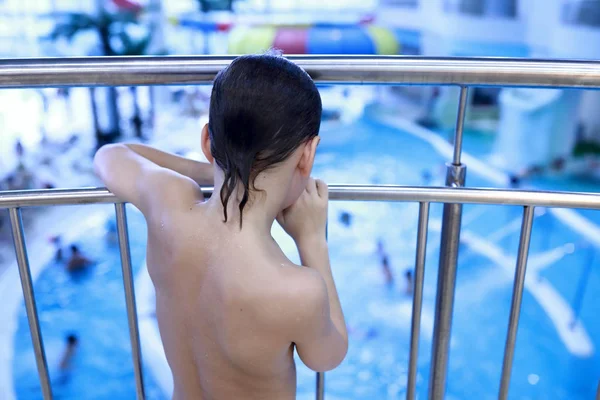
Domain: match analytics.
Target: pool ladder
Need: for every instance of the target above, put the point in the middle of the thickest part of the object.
(461, 72)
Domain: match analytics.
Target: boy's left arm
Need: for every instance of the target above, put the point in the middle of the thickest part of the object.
(199, 172)
(147, 177)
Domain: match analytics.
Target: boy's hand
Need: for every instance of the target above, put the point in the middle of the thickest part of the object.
(306, 219)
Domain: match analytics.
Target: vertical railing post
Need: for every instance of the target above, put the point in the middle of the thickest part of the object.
(320, 386)
(444, 302)
(417, 300)
(517, 297)
(18, 234)
(134, 333)
(460, 124)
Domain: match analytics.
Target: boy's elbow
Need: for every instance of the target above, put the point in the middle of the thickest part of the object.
(333, 358)
(340, 354)
(330, 364)
(340, 349)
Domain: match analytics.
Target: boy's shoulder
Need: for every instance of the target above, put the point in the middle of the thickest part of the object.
(300, 281)
(298, 290)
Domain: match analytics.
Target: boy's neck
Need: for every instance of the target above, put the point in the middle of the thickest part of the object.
(259, 213)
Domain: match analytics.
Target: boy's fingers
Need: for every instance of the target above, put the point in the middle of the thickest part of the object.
(311, 185)
(322, 189)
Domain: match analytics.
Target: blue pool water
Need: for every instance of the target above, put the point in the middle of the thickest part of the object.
(378, 316)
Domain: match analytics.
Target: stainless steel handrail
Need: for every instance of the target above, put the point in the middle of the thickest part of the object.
(416, 194)
(131, 71)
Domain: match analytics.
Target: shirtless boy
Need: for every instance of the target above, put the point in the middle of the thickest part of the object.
(231, 306)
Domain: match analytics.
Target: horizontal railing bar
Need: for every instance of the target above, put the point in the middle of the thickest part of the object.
(180, 70)
(32, 198)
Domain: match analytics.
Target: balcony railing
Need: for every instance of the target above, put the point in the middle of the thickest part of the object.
(390, 70)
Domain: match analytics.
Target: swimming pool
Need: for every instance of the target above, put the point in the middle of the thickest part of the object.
(550, 362)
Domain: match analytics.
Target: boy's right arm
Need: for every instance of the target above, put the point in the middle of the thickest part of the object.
(200, 172)
(318, 328)
(321, 337)
(138, 180)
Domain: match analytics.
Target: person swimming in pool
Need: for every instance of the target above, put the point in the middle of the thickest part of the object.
(408, 276)
(230, 305)
(385, 263)
(112, 234)
(69, 353)
(57, 242)
(77, 261)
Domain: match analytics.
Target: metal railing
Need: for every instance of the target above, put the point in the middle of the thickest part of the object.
(192, 70)
(462, 72)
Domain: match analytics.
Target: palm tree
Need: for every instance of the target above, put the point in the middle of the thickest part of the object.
(114, 40)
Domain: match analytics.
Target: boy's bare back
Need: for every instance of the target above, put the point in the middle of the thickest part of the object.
(231, 307)
(222, 301)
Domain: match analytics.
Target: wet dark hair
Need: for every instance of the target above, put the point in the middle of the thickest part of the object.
(74, 248)
(262, 108)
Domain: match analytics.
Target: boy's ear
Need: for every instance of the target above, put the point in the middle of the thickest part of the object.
(308, 156)
(205, 143)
